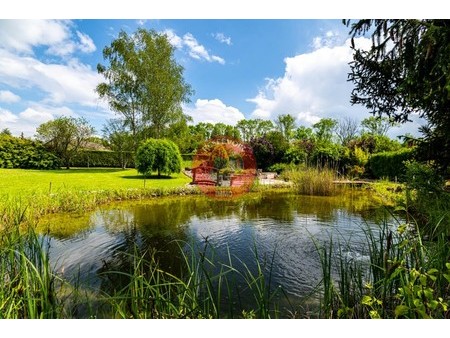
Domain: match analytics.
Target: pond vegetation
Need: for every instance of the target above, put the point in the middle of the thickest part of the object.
(153, 272)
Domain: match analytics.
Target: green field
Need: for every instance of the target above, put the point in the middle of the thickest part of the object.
(21, 182)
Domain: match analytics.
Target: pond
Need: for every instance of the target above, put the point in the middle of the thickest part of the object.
(281, 231)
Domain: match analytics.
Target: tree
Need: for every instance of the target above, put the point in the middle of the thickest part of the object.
(144, 83)
(160, 155)
(285, 124)
(263, 151)
(6, 132)
(253, 128)
(346, 130)
(65, 136)
(220, 156)
(324, 130)
(376, 125)
(406, 72)
(119, 140)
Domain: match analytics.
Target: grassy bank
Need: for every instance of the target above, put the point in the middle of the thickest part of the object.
(29, 194)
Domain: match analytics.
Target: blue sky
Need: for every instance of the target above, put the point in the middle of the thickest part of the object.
(239, 68)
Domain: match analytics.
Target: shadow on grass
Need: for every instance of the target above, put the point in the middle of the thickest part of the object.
(151, 177)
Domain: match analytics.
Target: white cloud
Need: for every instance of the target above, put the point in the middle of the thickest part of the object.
(34, 117)
(314, 86)
(15, 124)
(64, 83)
(86, 43)
(198, 51)
(194, 48)
(222, 38)
(27, 121)
(6, 118)
(8, 96)
(214, 111)
(174, 39)
(329, 39)
(21, 36)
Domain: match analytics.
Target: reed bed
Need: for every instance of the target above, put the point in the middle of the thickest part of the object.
(404, 277)
(311, 181)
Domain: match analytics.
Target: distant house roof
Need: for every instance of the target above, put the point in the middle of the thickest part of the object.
(95, 146)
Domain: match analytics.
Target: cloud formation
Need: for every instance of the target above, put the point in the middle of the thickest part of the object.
(222, 38)
(8, 96)
(190, 44)
(21, 36)
(73, 82)
(213, 111)
(313, 86)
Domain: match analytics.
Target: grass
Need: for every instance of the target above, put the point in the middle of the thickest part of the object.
(30, 194)
(311, 181)
(20, 182)
(404, 277)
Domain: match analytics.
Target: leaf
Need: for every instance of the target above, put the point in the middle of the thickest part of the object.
(367, 300)
(401, 310)
(423, 279)
(374, 314)
(447, 277)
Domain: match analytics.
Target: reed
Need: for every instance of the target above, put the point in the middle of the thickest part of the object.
(404, 278)
(27, 282)
(311, 181)
(205, 288)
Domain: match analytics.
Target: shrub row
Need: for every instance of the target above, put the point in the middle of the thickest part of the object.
(390, 164)
(101, 158)
(22, 153)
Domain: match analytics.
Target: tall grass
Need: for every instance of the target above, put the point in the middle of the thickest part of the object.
(204, 288)
(27, 283)
(311, 181)
(404, 277)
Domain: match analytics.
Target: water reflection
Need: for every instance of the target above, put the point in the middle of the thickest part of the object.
(280, 228)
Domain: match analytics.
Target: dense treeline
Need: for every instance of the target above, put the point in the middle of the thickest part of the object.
(351, 149)
(17, 152)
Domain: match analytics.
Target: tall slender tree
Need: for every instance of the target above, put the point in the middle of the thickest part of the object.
(285, 124)
(144, 83)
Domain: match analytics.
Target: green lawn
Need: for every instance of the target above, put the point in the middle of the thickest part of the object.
(21, 182)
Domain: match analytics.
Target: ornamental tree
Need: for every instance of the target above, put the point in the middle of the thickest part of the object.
(158, 155)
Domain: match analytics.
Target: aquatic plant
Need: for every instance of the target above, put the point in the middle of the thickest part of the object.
(311, 181)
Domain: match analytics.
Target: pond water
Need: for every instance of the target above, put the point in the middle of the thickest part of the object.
(282, 228)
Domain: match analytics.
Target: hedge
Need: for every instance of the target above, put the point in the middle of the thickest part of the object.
(23, 153)
(99, 158)
(390, 164)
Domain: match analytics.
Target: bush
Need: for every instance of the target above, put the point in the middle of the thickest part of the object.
(390, 164)
(423, 178)
(100, 158)
(280, 167)
(25, 154)
(160, 155)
